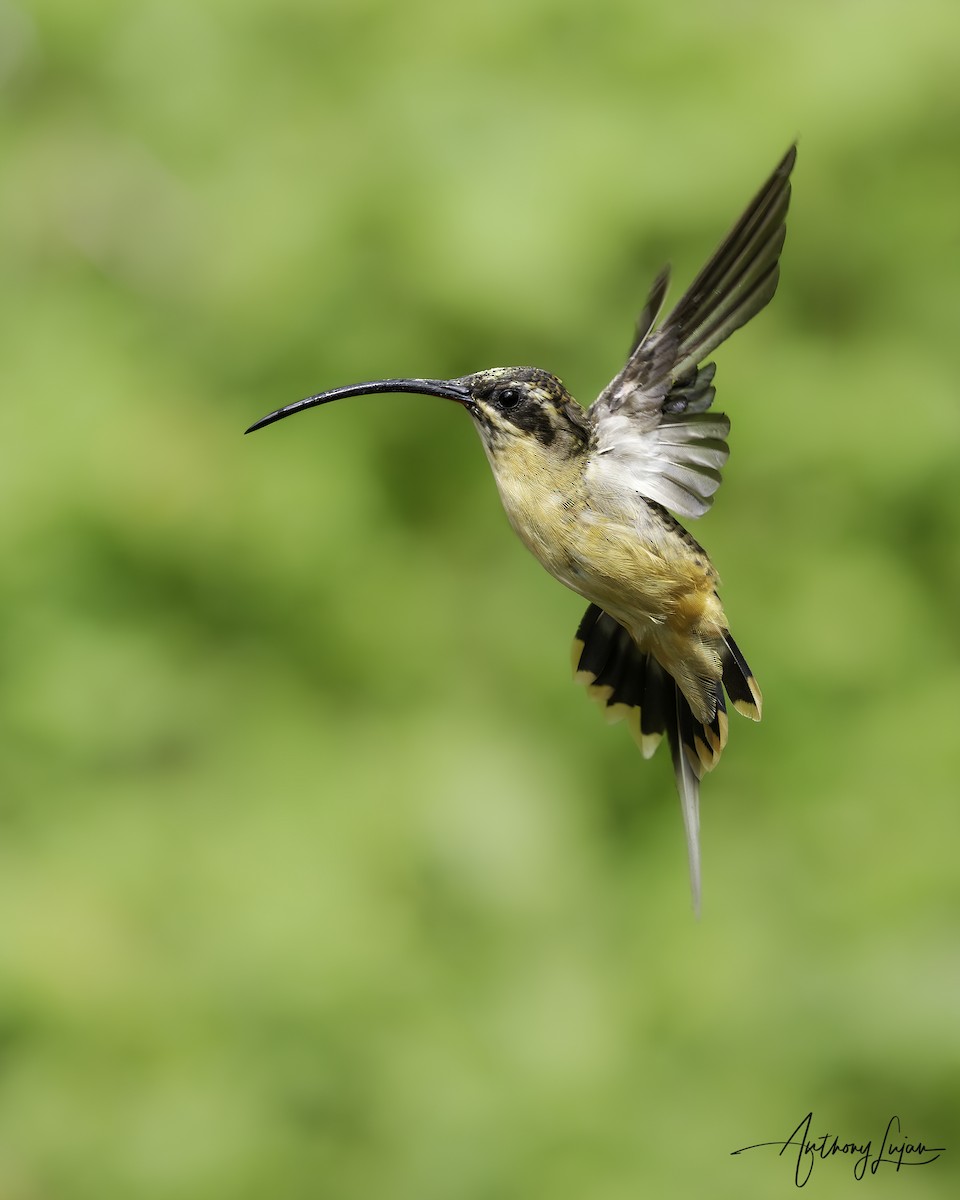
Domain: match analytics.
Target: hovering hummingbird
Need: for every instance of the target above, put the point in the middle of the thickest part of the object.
(591, 494)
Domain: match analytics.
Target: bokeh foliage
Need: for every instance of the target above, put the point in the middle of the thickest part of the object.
(318, 877)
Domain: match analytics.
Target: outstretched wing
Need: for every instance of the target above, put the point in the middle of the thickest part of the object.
(650, 427)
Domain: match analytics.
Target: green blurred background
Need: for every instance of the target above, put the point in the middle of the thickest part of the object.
(318, 876)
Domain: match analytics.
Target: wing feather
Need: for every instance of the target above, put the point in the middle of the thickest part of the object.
(650, 427)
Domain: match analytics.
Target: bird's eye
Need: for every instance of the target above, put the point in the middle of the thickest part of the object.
(508, 398)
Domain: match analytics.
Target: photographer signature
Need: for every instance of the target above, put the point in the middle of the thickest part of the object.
(902, 1153)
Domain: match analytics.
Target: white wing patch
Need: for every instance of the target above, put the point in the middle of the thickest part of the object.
(677, 462)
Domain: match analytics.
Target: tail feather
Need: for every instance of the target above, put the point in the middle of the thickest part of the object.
(679, 730)
(653, 714)
(738, 679)
(626, 682)
(629, 683)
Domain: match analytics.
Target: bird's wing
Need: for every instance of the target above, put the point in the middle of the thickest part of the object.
(650, 427)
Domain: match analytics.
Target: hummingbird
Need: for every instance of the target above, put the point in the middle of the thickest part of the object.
(595, 495)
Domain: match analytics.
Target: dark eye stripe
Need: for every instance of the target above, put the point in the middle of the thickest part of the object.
(534, 419)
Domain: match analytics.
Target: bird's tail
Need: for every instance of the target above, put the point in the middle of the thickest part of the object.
(629, 684)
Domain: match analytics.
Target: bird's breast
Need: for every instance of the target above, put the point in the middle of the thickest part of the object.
(635, 563)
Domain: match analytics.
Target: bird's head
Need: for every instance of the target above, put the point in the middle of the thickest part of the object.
(514, 405)
(514, 409)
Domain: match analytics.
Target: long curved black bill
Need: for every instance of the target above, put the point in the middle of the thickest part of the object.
(449, 389)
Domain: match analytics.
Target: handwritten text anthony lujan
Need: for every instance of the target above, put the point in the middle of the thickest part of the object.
(898, 1153)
